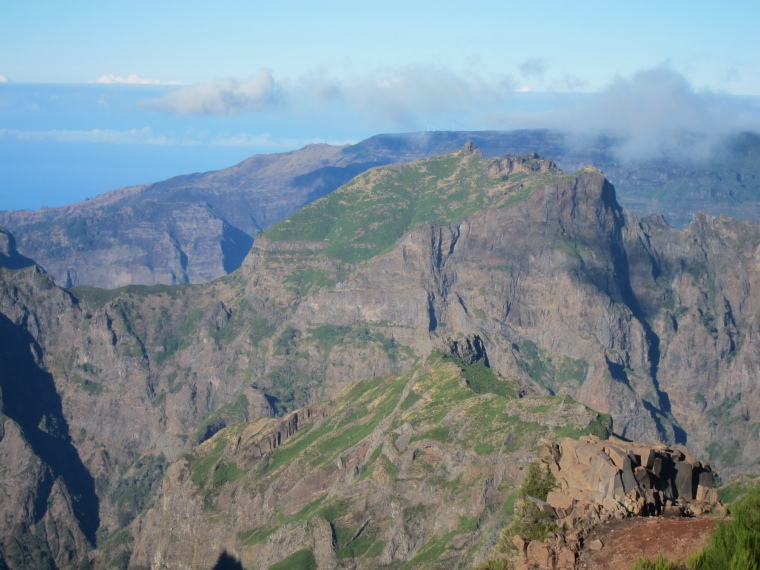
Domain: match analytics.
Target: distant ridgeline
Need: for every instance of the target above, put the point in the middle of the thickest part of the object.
(198, 227)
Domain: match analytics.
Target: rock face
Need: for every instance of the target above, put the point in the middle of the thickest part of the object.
(393, 470)
(197, 227)
(9, 255)
(508, 264)
(600, 480)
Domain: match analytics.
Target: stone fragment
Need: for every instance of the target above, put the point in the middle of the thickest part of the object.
(565, 559)
(559, 500)
(595, 544)
(540, 553)
(711, 497)
(520, 543)
(629, 481)
(642, 477)
(685, 480)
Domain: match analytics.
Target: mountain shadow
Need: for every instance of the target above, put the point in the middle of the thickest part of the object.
(29, 397)
(227, 562)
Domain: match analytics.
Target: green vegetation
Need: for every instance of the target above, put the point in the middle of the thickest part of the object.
(551, 371)
(660, 563)
(260, 329)
(299, 560)
(233, 413)
(731, 492)
(482, 380)
(538, 482)
(601, 427)
(136, 487)
(440, 402)
(305, 279)
(530, 522)
(734, 545)
(200, 467)
(89, 386)
(100, 297)
(368, 215)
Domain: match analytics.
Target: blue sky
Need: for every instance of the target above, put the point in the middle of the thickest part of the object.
(105, 94)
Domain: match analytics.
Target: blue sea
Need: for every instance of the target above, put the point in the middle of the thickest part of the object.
(61, 144)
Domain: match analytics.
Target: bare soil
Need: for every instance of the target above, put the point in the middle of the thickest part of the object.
(630, 539)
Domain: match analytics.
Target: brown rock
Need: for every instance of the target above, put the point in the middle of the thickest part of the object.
(520, 543)
(565, 559)
(539, 553)
(559, 500)
(595, 544)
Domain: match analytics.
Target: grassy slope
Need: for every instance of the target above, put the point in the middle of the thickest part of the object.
(368, 215)
(444, 416)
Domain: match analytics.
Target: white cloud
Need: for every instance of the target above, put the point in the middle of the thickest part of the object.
(400, 95)
(224, 96)
(395, 95)
(3, 79)
(146, 136)
(655, 111)
(132, 79)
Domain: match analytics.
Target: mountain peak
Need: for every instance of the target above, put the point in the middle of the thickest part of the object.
(469, 147)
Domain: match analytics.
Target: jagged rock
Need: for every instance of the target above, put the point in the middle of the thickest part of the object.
(540, 554)
(604, 480)
(520, 543)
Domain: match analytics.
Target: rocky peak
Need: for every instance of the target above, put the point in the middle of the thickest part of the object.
(528, 163)
(9, 256)
(470, 148)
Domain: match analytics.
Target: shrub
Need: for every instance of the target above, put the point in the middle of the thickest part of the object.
(735, 544)
(538, 482)
(659, 563)
(530, 521)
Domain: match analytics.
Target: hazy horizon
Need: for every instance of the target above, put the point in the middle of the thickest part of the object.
(86, 107)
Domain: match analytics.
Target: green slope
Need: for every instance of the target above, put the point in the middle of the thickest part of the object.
(365, 217)
(428, 441)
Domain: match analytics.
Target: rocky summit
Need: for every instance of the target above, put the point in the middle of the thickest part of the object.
(369, 386)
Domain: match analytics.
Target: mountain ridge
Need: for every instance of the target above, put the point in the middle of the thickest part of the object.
(194, 228)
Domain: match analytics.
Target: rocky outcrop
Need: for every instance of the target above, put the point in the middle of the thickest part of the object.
(600, 480)
(9, 255)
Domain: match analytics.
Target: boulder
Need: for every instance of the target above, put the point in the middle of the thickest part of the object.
(559, 500)
(595, 544)
(541, 554)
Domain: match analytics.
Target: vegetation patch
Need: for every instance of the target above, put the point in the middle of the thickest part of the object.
(299, 560)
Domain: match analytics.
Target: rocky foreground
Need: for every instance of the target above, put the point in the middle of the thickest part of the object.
(604, 480)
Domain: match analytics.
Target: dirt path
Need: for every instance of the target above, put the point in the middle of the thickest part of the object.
(628, 540)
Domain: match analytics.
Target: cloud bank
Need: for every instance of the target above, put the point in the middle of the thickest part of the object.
(226, 96)
(651, 113)
(146, 136)
(394, 95)
(133, 79)
(3, 79)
